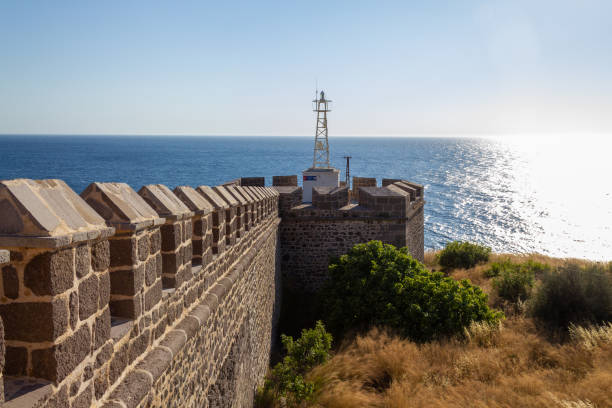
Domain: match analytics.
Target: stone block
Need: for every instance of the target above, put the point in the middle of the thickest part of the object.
(128, 308)
(73, 308)
(104, 289)
(150, 271)
(82, 260)
(156, 362)
(133, 388)
(58, 361)
(171, 236)
(155, 241)
(127, 281)
(143, 247)
(118, 364)
(100, 255)
(50, 273)
(10, 281)
(34, 321)
(102, 327)
(88, 297)
(123, 252)
(139, 345)
(84, 399)
(153, 296)
(172, 262)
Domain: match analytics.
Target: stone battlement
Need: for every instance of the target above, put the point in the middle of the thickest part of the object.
(159, 298)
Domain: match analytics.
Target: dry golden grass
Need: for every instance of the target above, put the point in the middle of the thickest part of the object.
(511, 366)
(515, 367)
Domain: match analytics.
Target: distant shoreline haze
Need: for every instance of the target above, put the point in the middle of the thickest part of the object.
(515, 194)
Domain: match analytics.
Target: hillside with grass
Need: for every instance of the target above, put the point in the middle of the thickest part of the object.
(534, 331)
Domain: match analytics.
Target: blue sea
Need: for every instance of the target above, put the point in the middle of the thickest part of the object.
(529, 195)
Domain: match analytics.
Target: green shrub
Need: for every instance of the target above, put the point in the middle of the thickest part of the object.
(574, 294)
(514, 282)
(498, 267)
(459, 254)
(286, 379)
(379, 285)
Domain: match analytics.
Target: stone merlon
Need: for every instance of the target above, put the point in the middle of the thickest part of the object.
(46, 214)
(121, 206)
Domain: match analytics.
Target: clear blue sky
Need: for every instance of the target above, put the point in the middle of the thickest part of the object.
(242, 68)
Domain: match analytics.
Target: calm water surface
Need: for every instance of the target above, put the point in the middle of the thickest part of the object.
(546, 197)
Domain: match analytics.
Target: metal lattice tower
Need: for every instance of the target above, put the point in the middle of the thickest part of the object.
(321, 147)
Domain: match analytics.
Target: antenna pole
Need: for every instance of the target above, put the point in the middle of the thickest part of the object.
(348, 171)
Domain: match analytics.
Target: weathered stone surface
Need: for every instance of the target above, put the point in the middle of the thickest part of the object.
(88, 297)
(101, 329)
(172, 262)
(50, 273)
(46, 209)
(83, 400)
(58, 361)
(128, 281)
(82, 261)
(10, 280)
(193, 200)
(73, 308)
(143, 247)
(121, 206)
(212, 197)
(104, 289)
(123, 252)
(150, 271)
(100, 255)
(156, 362)
(139, 345)
(153, 295)
(133, 388)
(34, 321)
(130, 308)
(164, 201)
(118, 364)
(155, 241)
(171, 236)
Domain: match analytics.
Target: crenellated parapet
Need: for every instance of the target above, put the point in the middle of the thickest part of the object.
(312, 233)
(285, 181)
(102, 295)
(330, 198)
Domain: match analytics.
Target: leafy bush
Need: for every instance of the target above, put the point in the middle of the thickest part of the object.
(379, 285)
(514, 283)
(459, 254)
(286, 380)
(574, 294)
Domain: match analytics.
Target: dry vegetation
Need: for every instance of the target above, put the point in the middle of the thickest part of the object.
(514, 365)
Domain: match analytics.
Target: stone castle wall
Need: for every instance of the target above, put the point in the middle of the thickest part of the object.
(104, 302)
(167, 298)
(312, 234)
